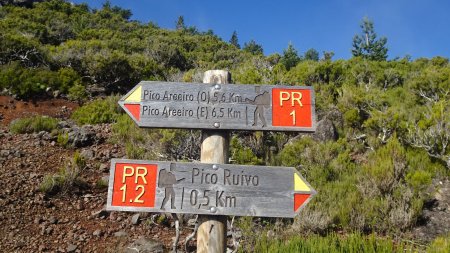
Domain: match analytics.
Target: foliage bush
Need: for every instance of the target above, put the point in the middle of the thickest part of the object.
(384, 193)
(78, 93)
(440, 244)
(173, 144)
(66, 178)
(63, 139)
(98, 111)
(101, 184)
(33, 124)
(32, 82)
(333, 243)
(134, 138)
(241, 154)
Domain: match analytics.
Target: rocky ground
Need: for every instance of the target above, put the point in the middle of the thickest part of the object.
(435, 220)
(77, 221)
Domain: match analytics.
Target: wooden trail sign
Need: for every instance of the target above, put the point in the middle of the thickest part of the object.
(218, 106)
(200, 188)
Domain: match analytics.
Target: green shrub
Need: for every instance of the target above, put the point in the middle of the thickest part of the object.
(99, 111)
(79, 161)
(66, 178)
(388, 201)
(78, 93)
(48, 184)
(440, 245)
(250, 235)
(419, 179)
(177, 144)
(384, 193)
(332, 243)
(101, 184)
(352, 117)
(241, 154)
(29, 82)
(134, 151)
(33, 125)
(63, 139)
(173, 144)
(137, 141)
(162, 219)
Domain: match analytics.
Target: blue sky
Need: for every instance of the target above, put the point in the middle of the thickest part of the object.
(419, 28)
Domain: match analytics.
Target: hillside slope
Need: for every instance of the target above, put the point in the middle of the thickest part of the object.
(380, 160)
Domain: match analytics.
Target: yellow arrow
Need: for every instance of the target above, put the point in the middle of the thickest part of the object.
(299, 184)
(135, 96)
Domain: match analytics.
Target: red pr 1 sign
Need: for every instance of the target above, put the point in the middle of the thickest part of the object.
(290, 108)
(221, 106)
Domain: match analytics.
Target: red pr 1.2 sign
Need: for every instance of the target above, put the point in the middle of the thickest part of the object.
(201, 188)
(134, 185)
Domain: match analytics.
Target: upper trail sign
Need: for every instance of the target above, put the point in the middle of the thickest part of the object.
(217, 106)
(201, 188)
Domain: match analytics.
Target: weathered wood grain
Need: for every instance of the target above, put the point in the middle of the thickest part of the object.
(212, 230)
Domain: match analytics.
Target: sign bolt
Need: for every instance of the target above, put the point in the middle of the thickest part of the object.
(217, 125)
(213, 209)
(215, 167)
(217, 87)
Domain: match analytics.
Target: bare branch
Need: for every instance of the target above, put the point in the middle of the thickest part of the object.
(189, 237)
(434, 98)
(177, 236)
(233, 236)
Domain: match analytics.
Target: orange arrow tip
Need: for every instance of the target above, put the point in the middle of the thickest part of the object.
(299, 200)
(135, 110)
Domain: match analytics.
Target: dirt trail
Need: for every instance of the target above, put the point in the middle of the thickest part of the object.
(11, 109)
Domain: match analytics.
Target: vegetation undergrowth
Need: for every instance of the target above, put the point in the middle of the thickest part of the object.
(141, 143)
(440, 245)
(98, 111)
(331, 243)
(33, 124)
(66, 178)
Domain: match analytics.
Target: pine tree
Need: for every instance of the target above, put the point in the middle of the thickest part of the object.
(312, 55)
(180, 23)
(367, 45)
(290, 57)
(234, 40)
(327, 55)
(253, 47)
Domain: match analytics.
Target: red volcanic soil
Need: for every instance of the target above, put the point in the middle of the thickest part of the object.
(32, 221)
(11, 108)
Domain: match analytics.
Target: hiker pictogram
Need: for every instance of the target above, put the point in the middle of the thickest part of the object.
(262, 101)
(166, 180)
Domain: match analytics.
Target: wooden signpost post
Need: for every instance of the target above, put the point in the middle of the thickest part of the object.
(213, 189)
(212, 231)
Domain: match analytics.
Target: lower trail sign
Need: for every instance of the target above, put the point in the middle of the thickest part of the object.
(200, 188)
